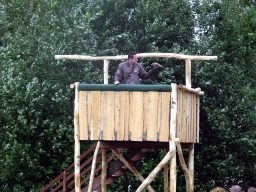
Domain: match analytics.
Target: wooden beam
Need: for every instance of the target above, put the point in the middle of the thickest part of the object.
(182, 161)
(154, 173)
(132, 168)
(77, 142)
(188, 72)
(104, 171)
(93, 167)
(166, 172)
(106, 65)
(183, 165)
(128, 144)
(72, 86)
(140, 55)
(191, 167)
(197, 91)
(172, 145)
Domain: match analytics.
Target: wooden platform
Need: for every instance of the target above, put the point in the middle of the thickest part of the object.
(137, 115)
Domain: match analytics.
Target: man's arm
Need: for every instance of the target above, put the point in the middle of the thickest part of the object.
(146, 75)
(119, 75)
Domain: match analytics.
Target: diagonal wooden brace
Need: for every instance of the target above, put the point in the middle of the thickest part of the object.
(132, 168)
(158, 168)
(93, 167)
(185, 169)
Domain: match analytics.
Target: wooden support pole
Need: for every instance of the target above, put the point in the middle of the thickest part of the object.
(77, 142)
(104, 171)
(106, 65)
(191, 167)
(172, 145)
(158, 168)
(188, 72)
(132, 168)
(166, 172)
(184, 167)
(94, 161)
(191, 148)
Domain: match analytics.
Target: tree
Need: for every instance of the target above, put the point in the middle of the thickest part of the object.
(36, 101)
(226, 153)
(36, 117)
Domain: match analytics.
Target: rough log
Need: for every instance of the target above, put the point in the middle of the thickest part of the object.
(166, 176)
(191, 167)
(94, 161)
(182, 161)
(172, 140)
(197, 91)
(106, 65)
(77, 142)
(140, 55)
(183, 165)
(132, 168)
(154, 173)
(188, 72)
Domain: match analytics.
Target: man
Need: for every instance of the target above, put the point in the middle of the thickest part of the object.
(130, 71)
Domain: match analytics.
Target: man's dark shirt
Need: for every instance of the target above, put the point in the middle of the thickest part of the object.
(132, 74)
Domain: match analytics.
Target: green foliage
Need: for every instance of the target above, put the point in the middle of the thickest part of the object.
(36, 101)
(226, 154)
(36, 118)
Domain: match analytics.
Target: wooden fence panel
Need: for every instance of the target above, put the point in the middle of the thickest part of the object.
(117, 106)
(83, 125)
(165, 117)
(95, 114)
(187, 129)
(152, 118)
(137, 117)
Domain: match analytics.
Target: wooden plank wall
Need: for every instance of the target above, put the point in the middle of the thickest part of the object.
(124, 116)
(187, 117)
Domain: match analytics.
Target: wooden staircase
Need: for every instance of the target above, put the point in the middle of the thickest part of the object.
(65, 180)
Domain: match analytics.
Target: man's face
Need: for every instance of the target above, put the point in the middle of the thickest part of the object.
(134, 59)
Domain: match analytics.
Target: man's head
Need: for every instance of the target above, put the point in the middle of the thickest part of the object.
(236, 188)
(132, 58)
(252, 189)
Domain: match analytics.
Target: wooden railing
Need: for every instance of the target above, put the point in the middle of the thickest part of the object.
(63, 175)
(65, 180)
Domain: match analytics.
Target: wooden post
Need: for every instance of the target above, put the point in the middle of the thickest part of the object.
(132, 168)
(106, 64)
(166, 172)
(191, 148)
(191, 167)
(77, 142)
(65, 180)
(172, 144)
(104, 171)
(188, 72)
(94, 161)
(158, 168)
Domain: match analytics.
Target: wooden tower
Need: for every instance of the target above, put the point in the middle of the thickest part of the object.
(165, 116)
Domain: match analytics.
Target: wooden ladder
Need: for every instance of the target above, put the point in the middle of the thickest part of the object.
(65, 180)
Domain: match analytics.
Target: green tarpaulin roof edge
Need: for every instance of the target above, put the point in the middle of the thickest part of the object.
(122, 87)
